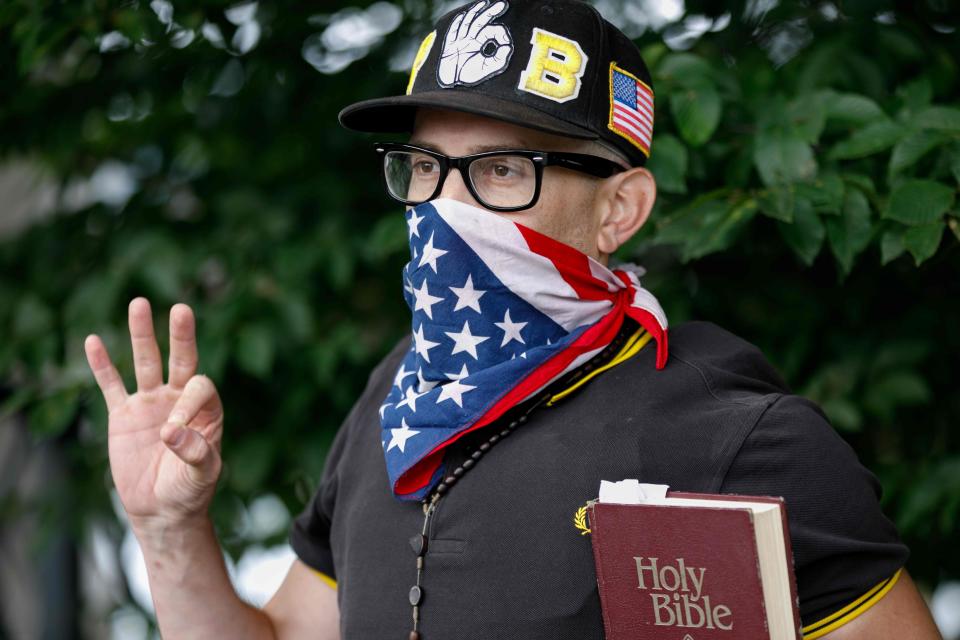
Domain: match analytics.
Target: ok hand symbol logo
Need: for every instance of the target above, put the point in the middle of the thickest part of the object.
(474, 49)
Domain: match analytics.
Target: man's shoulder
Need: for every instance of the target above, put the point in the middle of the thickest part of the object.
(729, 367)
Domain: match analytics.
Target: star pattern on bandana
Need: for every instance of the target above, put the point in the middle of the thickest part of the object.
(431, 254)
(421, 345)
(400, 436)
(454, 390)
(424, 385)
(467, 296)
(414, 224)
(511, 330)
(465, 341)
(424, 301)
(410, 399)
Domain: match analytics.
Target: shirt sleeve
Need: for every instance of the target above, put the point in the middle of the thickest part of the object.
(843, 544)
(310, 533)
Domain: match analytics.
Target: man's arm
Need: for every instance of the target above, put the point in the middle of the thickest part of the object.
(304, 607)
(164, 446)
(901, 613)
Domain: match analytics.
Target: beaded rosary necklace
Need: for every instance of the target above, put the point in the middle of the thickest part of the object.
(568, 384)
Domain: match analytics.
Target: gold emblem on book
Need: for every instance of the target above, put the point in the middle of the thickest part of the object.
(580, 520)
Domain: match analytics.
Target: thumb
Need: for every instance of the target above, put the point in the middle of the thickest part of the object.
(189, 446)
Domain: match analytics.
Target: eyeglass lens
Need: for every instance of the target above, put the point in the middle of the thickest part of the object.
(499, 181)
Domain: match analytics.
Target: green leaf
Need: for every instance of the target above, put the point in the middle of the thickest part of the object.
(940, 118)
(825, 193)
(696, 111)
(954, 159)
(901, 387)
(853, 109)
(808, 114)
(684, 69)
(668, 163)
(912, 147)
(871, 139)
(843, 414)
(849, 234)
(783, 156)
(919, 202)
(922, 240)
(805, 235)
(891, 244)
(777, 202)
(708, 224)
(254, 350)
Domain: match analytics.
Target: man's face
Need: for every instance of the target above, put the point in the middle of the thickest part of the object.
(566, 210)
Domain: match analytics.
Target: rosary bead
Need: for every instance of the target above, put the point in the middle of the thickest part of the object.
(442, 488)
(416, 595)
(476, 455)
(522, 419)
(505, 432)
(513, 425)
(485, 447)
(419, 544)
(450, 480)
(493, 439)
(468, 463)
(458, 471)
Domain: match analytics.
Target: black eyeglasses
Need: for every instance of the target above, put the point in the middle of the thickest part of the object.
(502, 180)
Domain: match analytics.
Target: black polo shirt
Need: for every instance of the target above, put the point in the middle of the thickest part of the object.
(505, 558)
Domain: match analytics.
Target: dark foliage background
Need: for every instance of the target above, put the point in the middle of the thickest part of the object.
(807, 154)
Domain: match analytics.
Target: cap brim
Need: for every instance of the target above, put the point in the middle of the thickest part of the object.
(395, 114)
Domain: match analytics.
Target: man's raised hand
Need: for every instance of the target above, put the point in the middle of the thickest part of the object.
(163, 440)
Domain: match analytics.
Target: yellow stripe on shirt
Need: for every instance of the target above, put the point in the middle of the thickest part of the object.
(330, 582)
(853, 610)
(629, 349)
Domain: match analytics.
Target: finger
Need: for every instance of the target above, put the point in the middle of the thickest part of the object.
(468, 19)
(183, 346)
(188, 445)
(484, 18)
(146, 354)
(109, 381)
(199, 395)
(453, 33)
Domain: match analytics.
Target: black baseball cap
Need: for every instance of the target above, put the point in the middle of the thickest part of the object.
(551, 65)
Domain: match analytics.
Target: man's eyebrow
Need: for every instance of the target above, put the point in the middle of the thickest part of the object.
(480, 148)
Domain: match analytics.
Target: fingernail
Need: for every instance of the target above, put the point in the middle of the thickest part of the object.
(178, 418)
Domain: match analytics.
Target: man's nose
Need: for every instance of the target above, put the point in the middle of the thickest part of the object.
(456, 189)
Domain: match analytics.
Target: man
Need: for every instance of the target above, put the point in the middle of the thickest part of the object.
(447, 504)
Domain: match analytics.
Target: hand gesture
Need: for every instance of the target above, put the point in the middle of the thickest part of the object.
(474, 49)
(164, 440)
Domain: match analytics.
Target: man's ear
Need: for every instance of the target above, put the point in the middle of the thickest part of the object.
(626, 200)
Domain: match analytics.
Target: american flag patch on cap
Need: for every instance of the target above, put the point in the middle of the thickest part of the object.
(631, 108)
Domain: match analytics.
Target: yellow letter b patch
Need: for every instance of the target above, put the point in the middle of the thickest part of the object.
(555, 67)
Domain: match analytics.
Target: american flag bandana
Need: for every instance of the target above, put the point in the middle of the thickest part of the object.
(499, 312)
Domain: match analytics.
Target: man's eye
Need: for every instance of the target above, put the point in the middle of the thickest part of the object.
(502, 171)
(424, 167)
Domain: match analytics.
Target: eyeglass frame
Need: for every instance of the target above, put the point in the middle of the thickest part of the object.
(595, 166)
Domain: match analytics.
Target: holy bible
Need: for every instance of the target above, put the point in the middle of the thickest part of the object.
(695, 567)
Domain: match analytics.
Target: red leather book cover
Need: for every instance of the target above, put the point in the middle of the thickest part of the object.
(680, 573)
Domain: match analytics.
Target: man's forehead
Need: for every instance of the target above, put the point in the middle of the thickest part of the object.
(439, 128)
